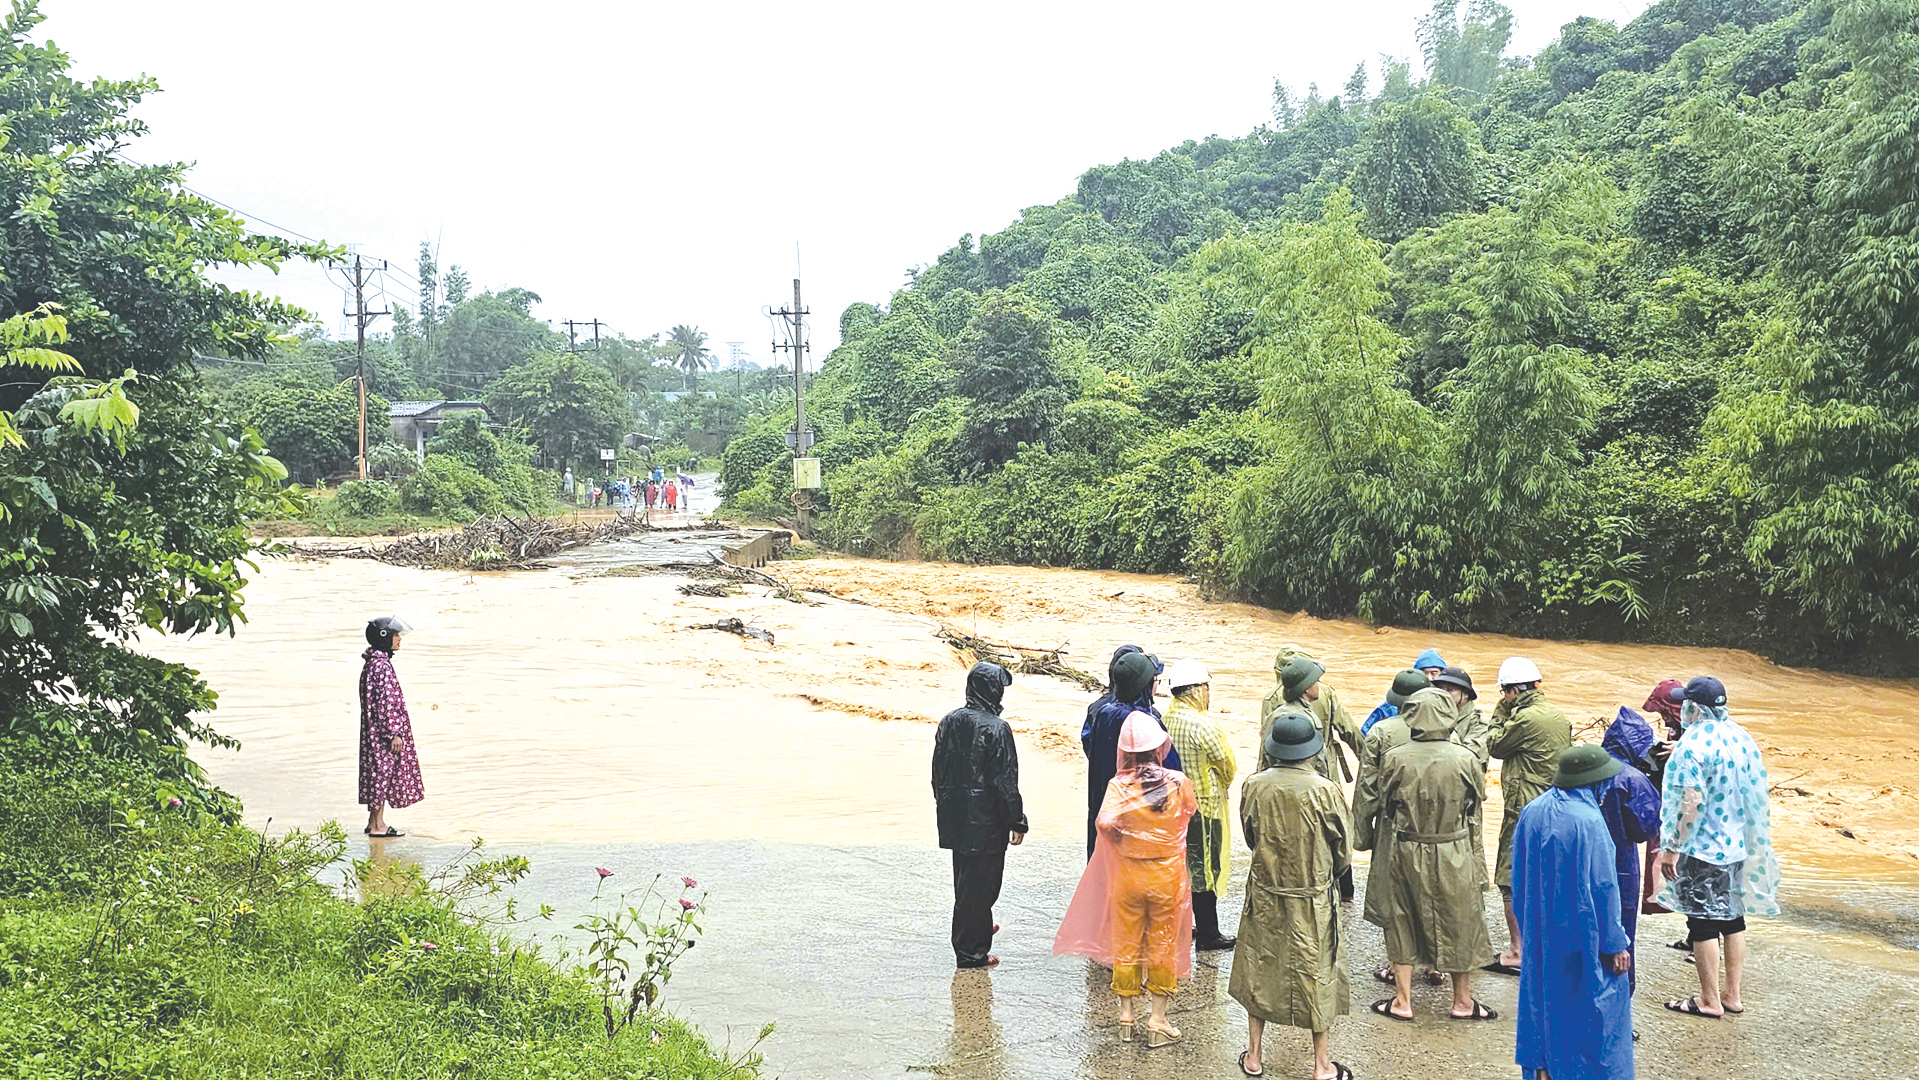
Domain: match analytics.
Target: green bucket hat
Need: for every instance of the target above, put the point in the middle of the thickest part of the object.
(1299, 673)
(1294, 737)
(1584, 765)
(1405, 685)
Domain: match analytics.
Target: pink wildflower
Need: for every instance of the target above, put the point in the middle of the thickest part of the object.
(172, 802)
(687, 905)
(428, 946)
(690, 883)
(603, 871)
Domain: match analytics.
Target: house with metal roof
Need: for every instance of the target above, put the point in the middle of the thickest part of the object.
(414, 422)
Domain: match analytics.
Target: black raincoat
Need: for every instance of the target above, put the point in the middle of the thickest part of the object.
(976, 769)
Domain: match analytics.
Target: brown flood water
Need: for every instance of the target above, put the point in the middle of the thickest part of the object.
(548, 706)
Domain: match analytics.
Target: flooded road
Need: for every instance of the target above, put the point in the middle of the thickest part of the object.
(578, 719)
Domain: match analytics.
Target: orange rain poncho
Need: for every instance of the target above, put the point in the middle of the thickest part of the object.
(1134, 905)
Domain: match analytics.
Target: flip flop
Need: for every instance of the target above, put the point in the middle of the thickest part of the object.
(1384, 975)
(1384, 1007)
(1480, 1012)
(1689, 1007)
(1498, 968)
(1244, 1069)
(1681, 945)
(1730, 1011)
(1341, 1072)
(389, 834)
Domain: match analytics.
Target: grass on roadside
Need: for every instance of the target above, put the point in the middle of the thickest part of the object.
(151, 937)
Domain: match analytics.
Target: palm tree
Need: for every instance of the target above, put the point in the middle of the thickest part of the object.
(688, 343)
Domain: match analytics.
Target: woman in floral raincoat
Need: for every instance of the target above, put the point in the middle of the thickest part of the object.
(389, 768)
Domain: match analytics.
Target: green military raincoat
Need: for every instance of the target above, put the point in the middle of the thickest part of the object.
(1290, 964)
(1428, 794)
(1335, 724)
(1387, 734)
(1526, 736)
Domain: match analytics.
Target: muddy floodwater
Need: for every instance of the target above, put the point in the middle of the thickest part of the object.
(577, 718)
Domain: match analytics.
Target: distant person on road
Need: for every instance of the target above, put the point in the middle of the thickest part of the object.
(1575, 1000)
(1715, 843)
(1290, 964)
(1425, 795)
(976, 795)
(1208, 762)
(1527, 734)
(389, 767)
(1129, 689)
(566, 484)
(672, 496)
(1133, 908)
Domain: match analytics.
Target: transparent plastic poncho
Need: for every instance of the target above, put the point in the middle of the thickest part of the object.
(1134, 904)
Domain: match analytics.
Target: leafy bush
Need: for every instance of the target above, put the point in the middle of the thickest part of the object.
(448, 487)
(367, 498)
(745, 459)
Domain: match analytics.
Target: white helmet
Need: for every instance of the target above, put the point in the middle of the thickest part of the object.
(1518, 670)
(1186, 673)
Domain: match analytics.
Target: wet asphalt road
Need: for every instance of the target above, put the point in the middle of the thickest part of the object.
(846, 949)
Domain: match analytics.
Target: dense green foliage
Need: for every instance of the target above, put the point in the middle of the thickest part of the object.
(142, 934)
(1615, 340)
(124, 490)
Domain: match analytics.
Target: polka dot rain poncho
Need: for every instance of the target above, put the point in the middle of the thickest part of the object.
(1716, 808)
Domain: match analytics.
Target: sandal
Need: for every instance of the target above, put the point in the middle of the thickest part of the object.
(1498, 968)
(389, 834)
(1341, 1072)
(1384, 1007)
(1385, 975)
(1480, 1012)
(1157, 1037)
(1244, 1069)
(1690, 1007)
(1683, 945)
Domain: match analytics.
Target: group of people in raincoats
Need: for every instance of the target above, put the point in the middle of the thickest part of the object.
(1567, 860)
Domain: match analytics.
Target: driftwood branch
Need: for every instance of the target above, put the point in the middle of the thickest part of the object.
(1020, 659)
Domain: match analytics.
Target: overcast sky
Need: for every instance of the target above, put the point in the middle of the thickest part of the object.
(649, 164)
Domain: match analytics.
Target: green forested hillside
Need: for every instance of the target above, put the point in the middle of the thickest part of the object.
(1615, 340)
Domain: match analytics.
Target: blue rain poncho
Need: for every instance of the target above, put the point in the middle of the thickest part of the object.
(1574, 1015)
(1386, 710)
(1630, 805)
(1717, 808)
(1129, 690)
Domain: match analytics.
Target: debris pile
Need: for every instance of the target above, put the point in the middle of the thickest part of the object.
(494, 543)
(736, 626)
(1019, 659)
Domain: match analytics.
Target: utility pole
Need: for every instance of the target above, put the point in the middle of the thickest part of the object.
(361, 316)
(573, 336)
(797, 313)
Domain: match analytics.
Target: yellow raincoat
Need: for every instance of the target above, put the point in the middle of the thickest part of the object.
(1207, 760)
